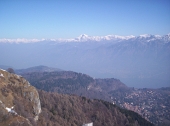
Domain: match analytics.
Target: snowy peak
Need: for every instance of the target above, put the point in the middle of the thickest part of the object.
(166, 38)
(84, 38)
(87, 38)
(145, 36)
(148, 37)
(117, 38)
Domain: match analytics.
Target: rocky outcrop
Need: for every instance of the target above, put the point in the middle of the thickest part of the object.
(19, 101)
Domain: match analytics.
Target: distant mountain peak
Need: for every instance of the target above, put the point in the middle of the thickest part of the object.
(40, 68)
(83, 37)
(145, 35)
(87, 38)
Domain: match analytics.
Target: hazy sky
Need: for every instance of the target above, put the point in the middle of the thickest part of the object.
(70, 18)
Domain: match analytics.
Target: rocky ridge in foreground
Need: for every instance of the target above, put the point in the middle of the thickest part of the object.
(19, 101)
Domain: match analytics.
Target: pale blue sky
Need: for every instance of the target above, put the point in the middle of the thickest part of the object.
(70, 18)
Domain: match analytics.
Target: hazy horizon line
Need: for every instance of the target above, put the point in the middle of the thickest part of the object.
(82, 37)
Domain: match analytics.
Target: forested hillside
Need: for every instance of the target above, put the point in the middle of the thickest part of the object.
(69, 82)
(151, 104)
(71, 110)
(22, 105)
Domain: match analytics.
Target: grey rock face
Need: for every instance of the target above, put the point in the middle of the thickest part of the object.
(19, 97)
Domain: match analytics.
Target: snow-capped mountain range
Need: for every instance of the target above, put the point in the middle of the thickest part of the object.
(139, 61)
(87, 38)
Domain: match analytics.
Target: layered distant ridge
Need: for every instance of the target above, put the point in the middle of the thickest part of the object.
(87, 38)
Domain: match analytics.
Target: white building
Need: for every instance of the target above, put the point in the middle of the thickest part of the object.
(88, 124)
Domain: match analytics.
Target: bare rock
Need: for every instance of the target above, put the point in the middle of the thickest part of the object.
(19, 101)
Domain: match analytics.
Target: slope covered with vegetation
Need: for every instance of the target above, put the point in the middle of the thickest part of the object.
(71, 110)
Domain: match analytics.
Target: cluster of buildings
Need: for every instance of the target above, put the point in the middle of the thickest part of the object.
(152, 104)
